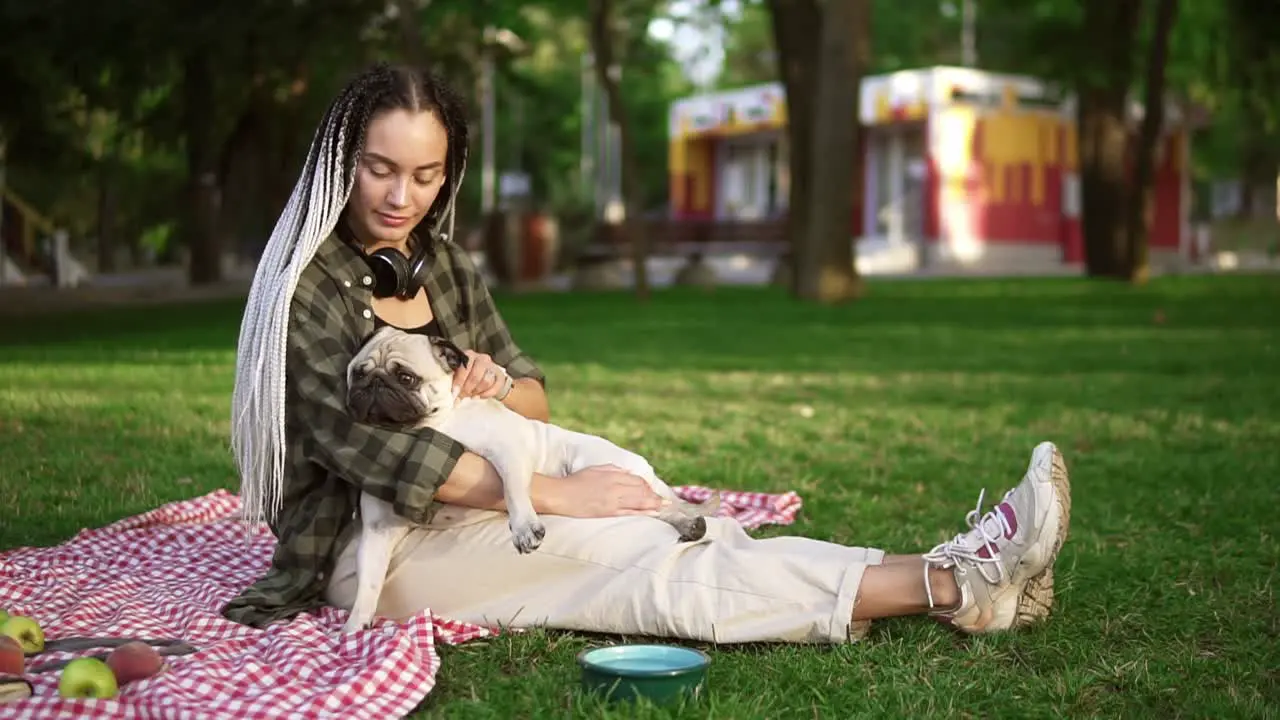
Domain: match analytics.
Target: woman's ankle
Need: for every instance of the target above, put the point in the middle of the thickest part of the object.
(944, 590)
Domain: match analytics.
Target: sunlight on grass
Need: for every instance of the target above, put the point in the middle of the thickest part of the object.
(888, 416)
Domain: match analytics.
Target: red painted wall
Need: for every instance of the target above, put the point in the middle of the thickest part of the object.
(684, 187)
(1072, 241)
(1015, 217)
(932, 194)
(1167, 223)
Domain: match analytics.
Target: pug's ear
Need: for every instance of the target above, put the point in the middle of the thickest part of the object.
(450, 355)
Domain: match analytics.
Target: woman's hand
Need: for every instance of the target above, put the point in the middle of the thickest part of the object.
(594, 492)
(481, 377)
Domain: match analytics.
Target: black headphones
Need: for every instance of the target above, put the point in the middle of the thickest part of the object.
(394, 274)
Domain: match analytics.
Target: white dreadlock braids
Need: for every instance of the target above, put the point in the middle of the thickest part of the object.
(312, 213)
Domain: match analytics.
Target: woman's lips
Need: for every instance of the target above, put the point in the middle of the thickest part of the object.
(391, 220)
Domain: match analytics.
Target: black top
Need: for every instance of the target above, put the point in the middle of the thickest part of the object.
(431, 328)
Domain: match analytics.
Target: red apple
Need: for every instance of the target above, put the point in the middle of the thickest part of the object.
(134, 661)
(12, 660)
(87, 677)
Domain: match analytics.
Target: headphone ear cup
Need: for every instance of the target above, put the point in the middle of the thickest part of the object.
(390, 272)
(415, 275)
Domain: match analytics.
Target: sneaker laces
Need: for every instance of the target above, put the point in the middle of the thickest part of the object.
(984, 530)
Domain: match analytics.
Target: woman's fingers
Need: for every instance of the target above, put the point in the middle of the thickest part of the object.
(460, 379)
(642, 498)
(480, 376)
(635, 492)
(474, 378)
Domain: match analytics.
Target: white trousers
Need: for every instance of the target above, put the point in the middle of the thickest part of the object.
(626, 575)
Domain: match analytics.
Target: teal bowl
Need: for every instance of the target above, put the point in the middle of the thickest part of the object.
(662, 674)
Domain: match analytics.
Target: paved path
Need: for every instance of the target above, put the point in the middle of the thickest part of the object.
(151, 286)
(166, 285)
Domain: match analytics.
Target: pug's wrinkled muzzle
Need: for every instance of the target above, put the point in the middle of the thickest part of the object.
(379, 401)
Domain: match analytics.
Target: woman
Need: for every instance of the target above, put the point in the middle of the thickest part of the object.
(363, 242)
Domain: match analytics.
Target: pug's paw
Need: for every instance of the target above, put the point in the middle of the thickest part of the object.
(527, 535)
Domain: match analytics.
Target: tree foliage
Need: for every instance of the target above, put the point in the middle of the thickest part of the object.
(180, 127)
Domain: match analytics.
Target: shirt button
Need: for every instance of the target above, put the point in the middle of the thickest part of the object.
(366, 280)
(346, 283)
(367, 314)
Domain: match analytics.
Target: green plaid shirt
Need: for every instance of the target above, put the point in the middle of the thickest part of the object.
(331, 458)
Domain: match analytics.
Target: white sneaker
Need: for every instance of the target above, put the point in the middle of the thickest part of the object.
(1004, 564)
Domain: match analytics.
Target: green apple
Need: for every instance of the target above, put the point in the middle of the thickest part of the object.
(26, 631)
(87, 677)
(4, 615)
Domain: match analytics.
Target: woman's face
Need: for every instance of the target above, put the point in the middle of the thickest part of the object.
(400, 173)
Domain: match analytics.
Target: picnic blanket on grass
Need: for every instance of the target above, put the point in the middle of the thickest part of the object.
(167, 572)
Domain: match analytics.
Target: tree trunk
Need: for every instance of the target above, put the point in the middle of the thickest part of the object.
(242, 177)
(1142, 208)
(824, 265)
(108, 204)
(1103, 185)
(1103, 135)
(285, 139)
(412, 44)
(603, 39)
(199, 106)
(795, 24)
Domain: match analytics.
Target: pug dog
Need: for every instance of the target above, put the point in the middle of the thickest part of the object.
(405, 380)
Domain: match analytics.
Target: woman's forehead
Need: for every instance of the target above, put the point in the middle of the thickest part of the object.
(413, 140)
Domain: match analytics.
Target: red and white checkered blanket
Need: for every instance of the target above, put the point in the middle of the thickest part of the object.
(166, 573)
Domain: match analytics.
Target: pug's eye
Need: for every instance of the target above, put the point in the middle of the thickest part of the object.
(406, 378)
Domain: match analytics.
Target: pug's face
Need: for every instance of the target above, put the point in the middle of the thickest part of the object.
(402, 379)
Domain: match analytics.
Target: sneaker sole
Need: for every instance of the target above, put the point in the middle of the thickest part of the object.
(1036, 601)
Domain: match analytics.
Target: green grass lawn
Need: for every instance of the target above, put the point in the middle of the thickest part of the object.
(1165, 400)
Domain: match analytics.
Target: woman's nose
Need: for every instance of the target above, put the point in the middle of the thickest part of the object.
(399, 195)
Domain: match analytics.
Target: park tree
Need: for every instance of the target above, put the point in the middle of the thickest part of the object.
(1141, 207)
(1105, 53)
(824, 49)
(617, 31)
(1249, 70)
(750, 56)
(1117, 164)
(192, 119)
(122, 115)
(150, 89)
(1103, 91)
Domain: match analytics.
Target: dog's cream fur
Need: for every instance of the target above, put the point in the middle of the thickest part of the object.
(404, 379)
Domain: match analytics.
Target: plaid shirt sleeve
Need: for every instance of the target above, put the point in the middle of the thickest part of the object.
(403, 468)
(492, 335)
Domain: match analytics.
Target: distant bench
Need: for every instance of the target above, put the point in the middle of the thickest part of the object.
(690, 238)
